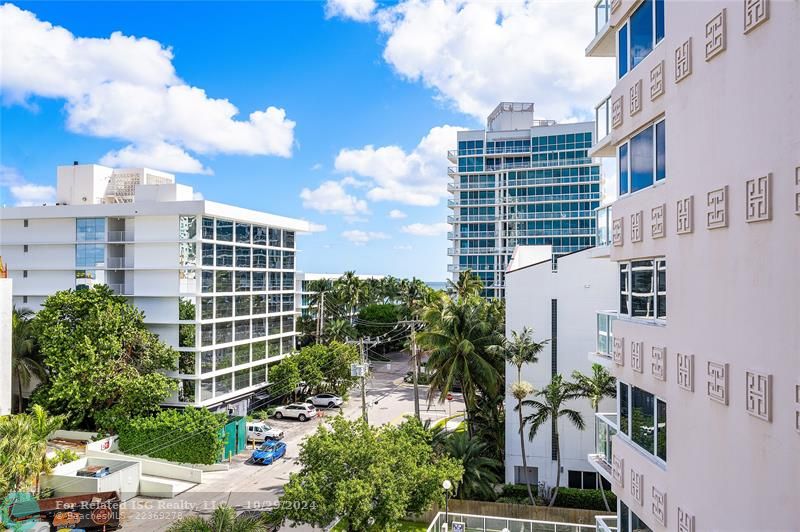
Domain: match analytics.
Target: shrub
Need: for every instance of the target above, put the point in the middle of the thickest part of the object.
(190, 436)
(63, 456)
(516, 493)
(586, 499)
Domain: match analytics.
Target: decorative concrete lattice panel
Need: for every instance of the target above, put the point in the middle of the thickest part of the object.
(636, 97)
(759, 395)
(686, 372)
(637, 487)
(685, 521)
(756, 12)
(616, 113)
(618, 351)
(658, 363)
(797, 190)
(658, 227)
(683, 61)
(716, 35)
(636, 226)
(684, 218)
(618, 470)
(636, 356)
(717, 215)
(617, 237)
(657, 80)
(659, 506)
(718, 382)
(759, 199)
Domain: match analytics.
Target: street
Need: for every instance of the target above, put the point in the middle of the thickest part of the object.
(251, 487)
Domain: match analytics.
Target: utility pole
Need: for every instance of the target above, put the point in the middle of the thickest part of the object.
(363, 382)
(320, 318)
(415, 361)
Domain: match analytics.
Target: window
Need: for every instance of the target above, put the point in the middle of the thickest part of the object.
(259, 258)
(274, 348)
(643, 418)
(208, 254)
(187, 227)
(224, 281)
(242, 354)
(259, 281)
(629, 521)
(642, 160)
(89, 229)
(25, 248)
(206, 334)
(207, 281)
(206, 389)
(288, 239)
(586, 480)
(259, 375)
(637, 38)
(242, 281)
(242, 305)
(25, 298)
(242, 257)
(24, 274)
(259, 327)
(521, 476)
(224, 256)
(187, 392)
(643, 289)
(259, 350)
(187, 254)
(224, 332)
(89, 255)
(274, 260)
(242, 379)
(274, 237)
(243, 233)
(224, 306)
(208, 228)
(288, 260)
(25, 223)
(207, 361)
(225, 230)
(243, 330)
(260, 304)
(259, 235)
(186, 335)
(206, 308)
(224, 384)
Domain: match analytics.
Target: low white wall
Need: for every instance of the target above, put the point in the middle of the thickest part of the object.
(155, 466)
(64, 481)
(73, 435)
(109, 444)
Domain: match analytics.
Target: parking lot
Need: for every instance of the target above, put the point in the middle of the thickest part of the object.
(247, 486)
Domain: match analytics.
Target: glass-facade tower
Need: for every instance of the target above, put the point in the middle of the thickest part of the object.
(520, 182)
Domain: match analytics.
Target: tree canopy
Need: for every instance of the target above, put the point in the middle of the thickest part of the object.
(104, 365)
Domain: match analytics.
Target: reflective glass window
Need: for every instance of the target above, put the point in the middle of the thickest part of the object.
(259, 235)
(208, 228)
(242, 257)
(243, 233)
(224, 256)
(224, 306)
(187, 227)
(225, 230)
(224, 281)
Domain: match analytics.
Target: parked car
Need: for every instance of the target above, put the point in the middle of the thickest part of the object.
(260, 431)
(268, 452)
(326, 400)
(301, 411)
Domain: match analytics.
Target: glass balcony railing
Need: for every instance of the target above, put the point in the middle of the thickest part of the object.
(606, 523)
(605, 335)
(605, 427)
(603, 226)
(602, 11)
(602, 119)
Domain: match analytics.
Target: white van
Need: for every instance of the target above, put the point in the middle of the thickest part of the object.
(260, 431)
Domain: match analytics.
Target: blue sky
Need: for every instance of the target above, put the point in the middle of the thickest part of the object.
(355, 106)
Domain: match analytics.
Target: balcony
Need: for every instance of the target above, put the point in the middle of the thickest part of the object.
(455, 268)
(455, 186)
(587, 196)
(473, 234)
(122, 289)
(488, 523)
(602, 44)
(605, 523)
(119, 262)
(120, 236)
(605, 427)
(471, 218)
(452, 156)
(470, 202)
(471, 251)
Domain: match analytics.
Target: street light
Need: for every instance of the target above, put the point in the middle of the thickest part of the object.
(447, 485)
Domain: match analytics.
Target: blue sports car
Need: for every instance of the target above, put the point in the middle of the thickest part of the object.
(269, 452)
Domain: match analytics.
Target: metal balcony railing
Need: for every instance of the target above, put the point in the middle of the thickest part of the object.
(119, 262)
(602, 11)
(471, 218)
(452, 187)
(602, 122)
(473, 234)
(512, 233)
(508, 149)
(603, 226)
(120, 236)
(605, 523)
(121, 289)
(471, 251)
(488, 523)
(471, 202)
(552, 197)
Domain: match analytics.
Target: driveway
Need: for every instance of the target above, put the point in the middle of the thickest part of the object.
(250, 487)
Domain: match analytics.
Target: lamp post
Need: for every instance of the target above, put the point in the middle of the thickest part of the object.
(447, 485)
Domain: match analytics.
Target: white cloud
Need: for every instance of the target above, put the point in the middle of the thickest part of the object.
(477, 53)
(316, 166)
(29, 194)
(359, 10)
(434, 229)
(331, 198)
(403, 247)
(418, 177)
(317, 228)
(396, 214)
(359, 238)
(126, 88)
(10, 176)
(351, 181)
(160, 155)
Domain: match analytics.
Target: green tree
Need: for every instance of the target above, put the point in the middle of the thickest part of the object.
(480, 470)
(105, 366)
(285, 377)
(25, 358)
(377, 320)
(457, 335)
(549, 407)
(352, 291)
(596, 387)
(224, 519)
(467, 286)
(519, 350)
(366, 475)
(339, 330)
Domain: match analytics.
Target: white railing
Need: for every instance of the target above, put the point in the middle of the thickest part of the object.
(468, 202)
(489, 523)
(606, 523)
(602, 11)
(605, 428)
(471, 251)
(603, 226)
(605, 335)
(474, 234)
(602, 119)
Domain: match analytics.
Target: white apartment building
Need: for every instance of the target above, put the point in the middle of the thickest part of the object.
(704, 124)
(520, 181)
(214, 281)
(559, 305)
(6, 381)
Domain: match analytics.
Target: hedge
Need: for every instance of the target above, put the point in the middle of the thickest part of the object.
(191, 436)
(517, 491)
(586, 499)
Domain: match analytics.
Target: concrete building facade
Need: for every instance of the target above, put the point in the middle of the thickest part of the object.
(6, 307)
(705, 336)
(214, 281)
(520, 181)
(559, 305)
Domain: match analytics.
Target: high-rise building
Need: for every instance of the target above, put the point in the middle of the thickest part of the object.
(520, 181)
(214, 281)
(705, 337)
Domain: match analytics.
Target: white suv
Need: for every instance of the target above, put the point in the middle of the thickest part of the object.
(301, 411)
(325, 400)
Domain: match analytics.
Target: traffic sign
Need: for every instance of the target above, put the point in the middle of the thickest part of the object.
(449, 396)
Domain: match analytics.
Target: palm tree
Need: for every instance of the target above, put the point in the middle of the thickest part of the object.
(549, 407)
(595, 388)
(320, 289)
(23, 448)
(521, 349)
(480, 471)
(339, 330)
(43, 425)
(352, 291)
(224, 519)
(25, 363)
(468, 285)
(458, 336)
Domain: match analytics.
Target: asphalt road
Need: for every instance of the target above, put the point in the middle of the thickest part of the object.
(250, 487)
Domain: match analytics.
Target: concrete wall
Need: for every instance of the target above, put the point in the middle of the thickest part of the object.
(732, 291)
(581, 285)
(6, 383)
